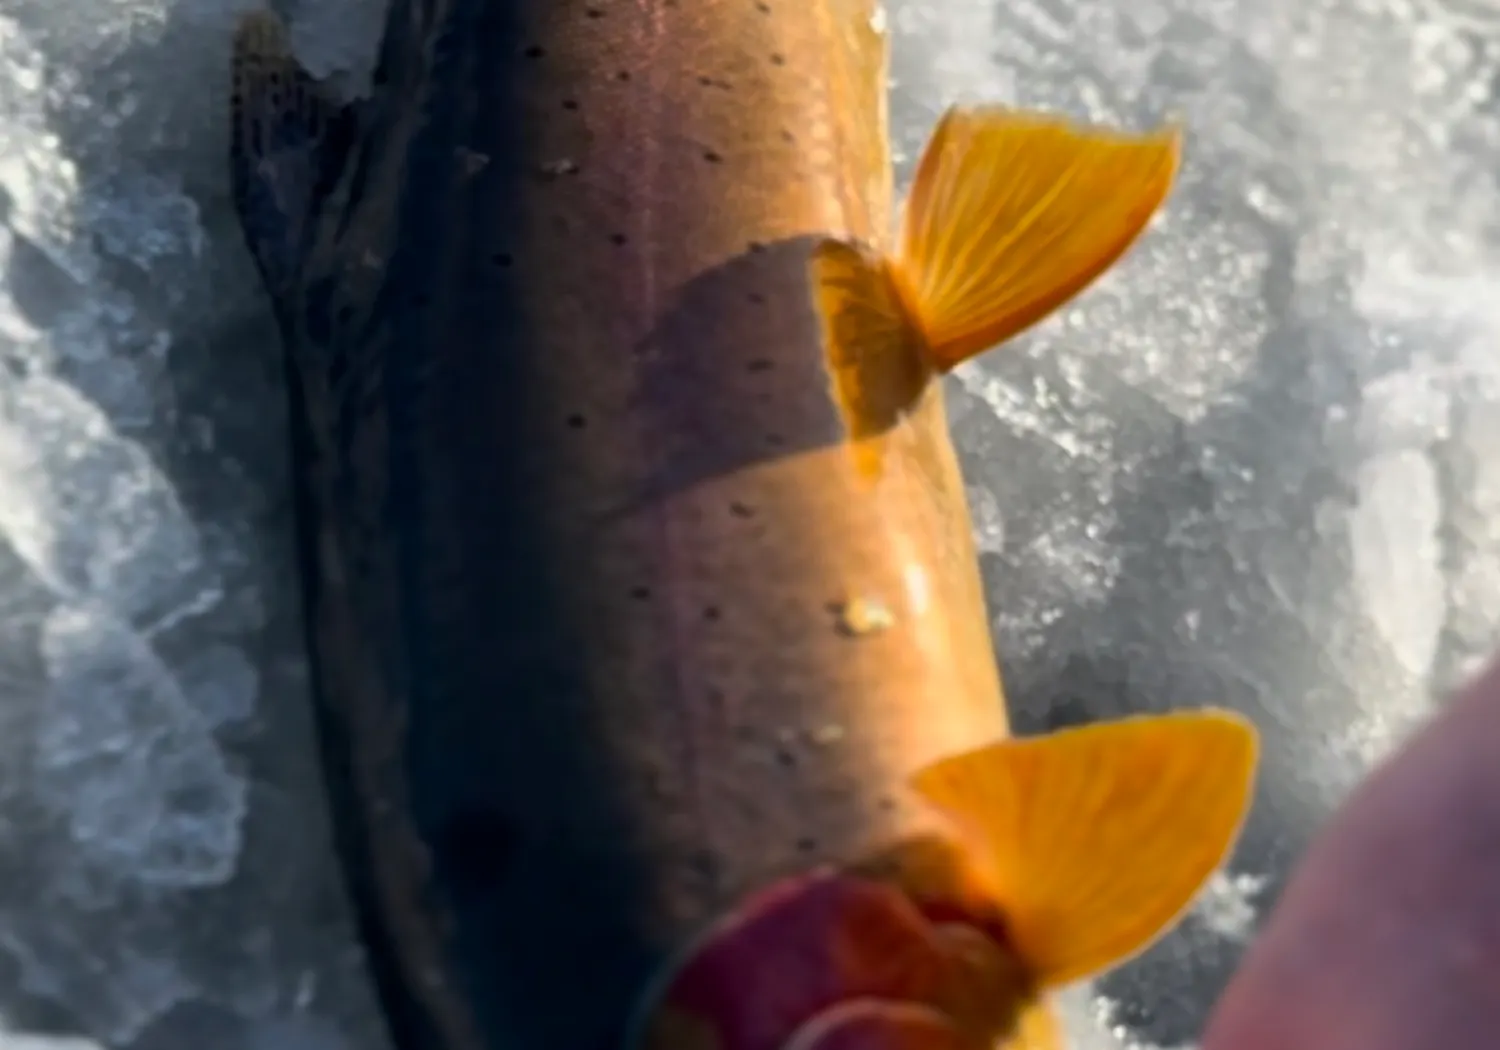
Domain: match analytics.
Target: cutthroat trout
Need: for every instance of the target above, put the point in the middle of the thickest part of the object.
(655, 687)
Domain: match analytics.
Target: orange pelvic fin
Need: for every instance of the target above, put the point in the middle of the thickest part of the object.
(1095, 839)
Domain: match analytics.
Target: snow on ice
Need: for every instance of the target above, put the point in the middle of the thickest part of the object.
(1256, 466)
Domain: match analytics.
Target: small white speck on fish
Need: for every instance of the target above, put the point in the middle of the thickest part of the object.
(827, 735)
(859, 617)
(554, 168)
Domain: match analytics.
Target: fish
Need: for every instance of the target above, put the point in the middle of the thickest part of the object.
(638, 579)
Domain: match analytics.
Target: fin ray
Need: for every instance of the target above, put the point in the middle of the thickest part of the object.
(1012, 213)
(870, 349)
(1096, 838)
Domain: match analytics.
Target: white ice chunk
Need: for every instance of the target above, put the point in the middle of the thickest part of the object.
(1393, 538)
(130, 761)
(11, 1039)
(21, 1041)
(989, 522)
(114, 976)
(1227, 905)
(91, 513)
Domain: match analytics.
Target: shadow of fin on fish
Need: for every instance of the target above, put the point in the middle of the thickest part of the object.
(1011, 214)
(288, 144)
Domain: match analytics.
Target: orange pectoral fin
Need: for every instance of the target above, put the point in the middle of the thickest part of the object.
(870, 349)
(1097, 838)
(1013, 213)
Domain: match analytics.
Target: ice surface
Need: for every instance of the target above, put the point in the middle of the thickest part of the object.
(165, 879)
(1256, 465)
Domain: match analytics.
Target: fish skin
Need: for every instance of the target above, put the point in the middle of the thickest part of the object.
(577, 516)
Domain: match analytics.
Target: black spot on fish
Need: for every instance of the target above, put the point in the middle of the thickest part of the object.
(741, 510)
(807, 844)
(777, 58)
(618, 239)
(640, 594)
(712, 157)
(785, 757)
(758, 364)
(755, 246)
(577, 422)
(570, 104)
(622, 75)
(756, 298)
(787, 136)
(763, 7)
(711, 613)
(535, 52)
(592, 12)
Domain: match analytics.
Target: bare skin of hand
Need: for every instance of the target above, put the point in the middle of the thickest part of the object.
(1388, 936)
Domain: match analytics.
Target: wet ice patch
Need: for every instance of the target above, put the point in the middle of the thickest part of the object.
(130, 764)
(123, 814)
(89, 511)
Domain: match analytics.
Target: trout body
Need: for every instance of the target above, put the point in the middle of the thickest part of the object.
(633, 582)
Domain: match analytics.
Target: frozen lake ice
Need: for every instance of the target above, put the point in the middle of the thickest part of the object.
(1258, 464)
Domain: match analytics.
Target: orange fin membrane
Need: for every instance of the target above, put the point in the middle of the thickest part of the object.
(877, 378)
(1013, 213)
(1010, 215)
(288, 142)
(1095, 839)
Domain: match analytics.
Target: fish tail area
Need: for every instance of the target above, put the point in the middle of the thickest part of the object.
(287, 141)
(871, 350)
(1011, 214)
(1095, 839)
